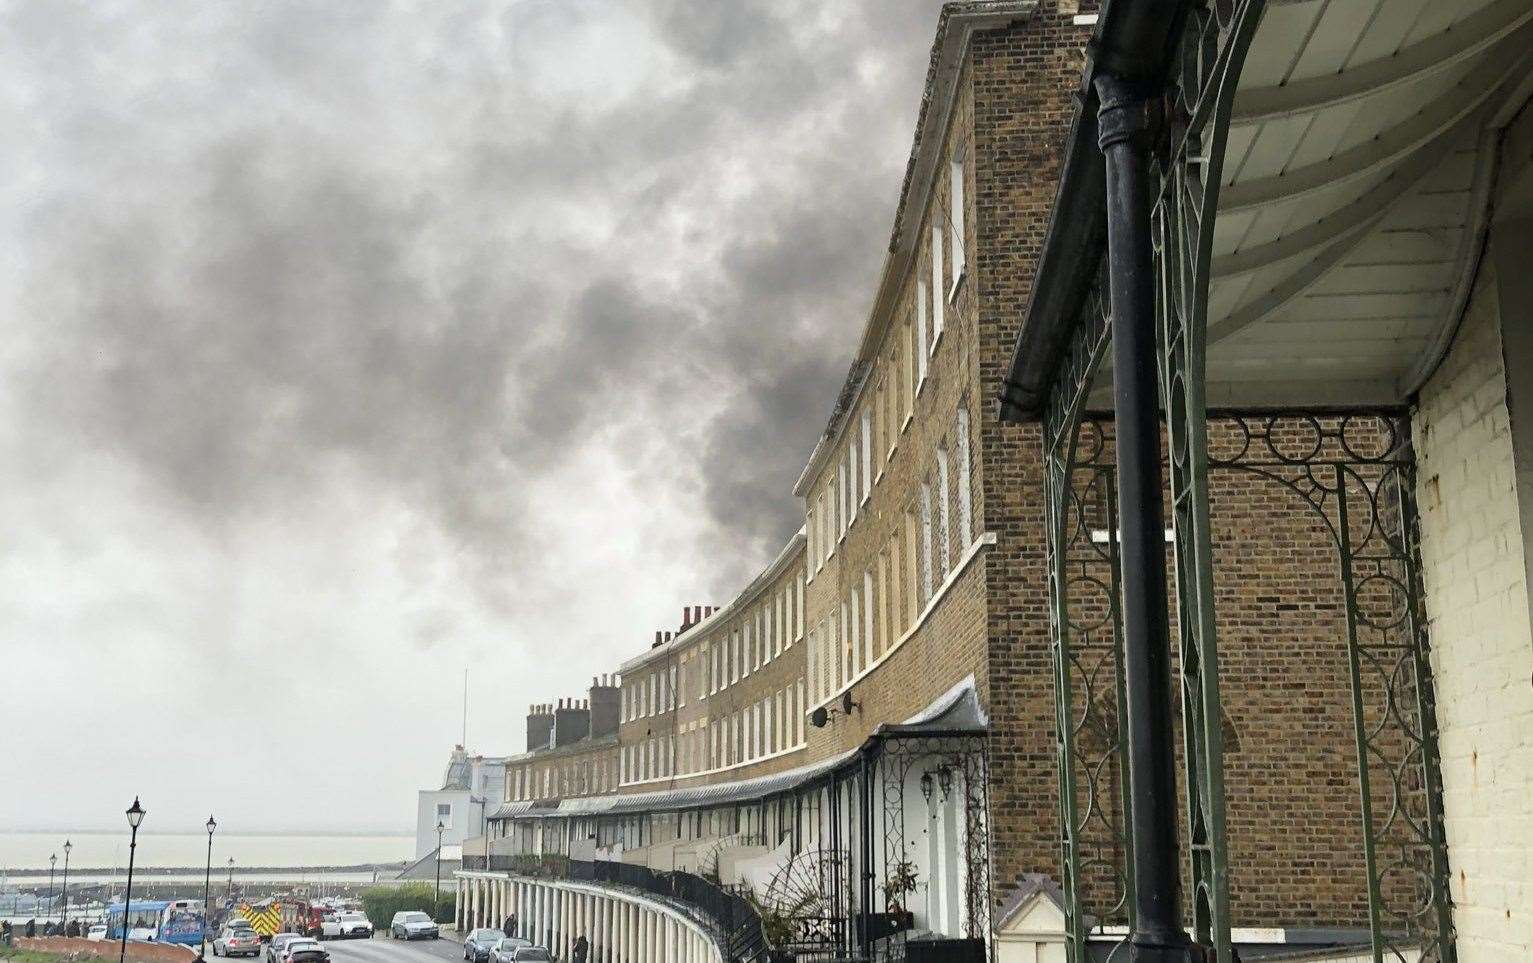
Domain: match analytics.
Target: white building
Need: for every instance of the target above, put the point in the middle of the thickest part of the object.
(471, 786)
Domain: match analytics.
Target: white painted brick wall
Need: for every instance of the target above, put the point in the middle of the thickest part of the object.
(1477, 603)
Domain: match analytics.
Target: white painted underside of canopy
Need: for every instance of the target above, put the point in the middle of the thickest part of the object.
(1357, 176)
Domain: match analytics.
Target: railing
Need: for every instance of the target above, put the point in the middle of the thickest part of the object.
(733, 916)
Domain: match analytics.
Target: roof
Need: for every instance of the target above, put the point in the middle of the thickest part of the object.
(698, 630)
(585, 744)
(1028, 886)
(956, 711)
(1356, 179)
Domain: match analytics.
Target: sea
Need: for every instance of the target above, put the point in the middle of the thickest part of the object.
(98, 855)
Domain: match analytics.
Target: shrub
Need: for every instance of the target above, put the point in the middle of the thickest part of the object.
(380, 903)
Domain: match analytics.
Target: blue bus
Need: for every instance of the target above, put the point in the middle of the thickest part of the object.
(157, 920)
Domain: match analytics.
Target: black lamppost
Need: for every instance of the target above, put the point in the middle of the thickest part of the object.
(67, 847)
(207, 876)
(135, 817)
(436, 899)
(230, 894)
(51, 860)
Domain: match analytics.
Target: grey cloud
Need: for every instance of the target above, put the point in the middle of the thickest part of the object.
(428, 262)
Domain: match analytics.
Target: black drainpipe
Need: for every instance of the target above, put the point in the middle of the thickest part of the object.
(1126, 121)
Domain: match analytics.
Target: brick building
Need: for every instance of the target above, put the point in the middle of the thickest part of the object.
(915, 724)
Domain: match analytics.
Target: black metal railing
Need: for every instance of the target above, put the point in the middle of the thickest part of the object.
(737, 922)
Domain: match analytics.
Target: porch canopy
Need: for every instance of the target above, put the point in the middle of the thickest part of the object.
(1358, 178)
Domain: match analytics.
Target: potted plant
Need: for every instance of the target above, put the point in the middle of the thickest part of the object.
(780, 922)
(899, 883)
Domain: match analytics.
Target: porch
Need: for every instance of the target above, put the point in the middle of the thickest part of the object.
(1275, 276)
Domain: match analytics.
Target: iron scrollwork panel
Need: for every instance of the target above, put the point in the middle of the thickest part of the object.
(1204, 75)
(1358, 475)
(1096, 848)
(951, 770)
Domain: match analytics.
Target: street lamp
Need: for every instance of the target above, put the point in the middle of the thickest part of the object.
(67, 847)
(207, 875)
(135, 815)
(230, 894)
(51, 860)
(436, 898)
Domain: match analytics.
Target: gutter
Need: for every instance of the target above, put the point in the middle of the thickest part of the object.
(1134, 41)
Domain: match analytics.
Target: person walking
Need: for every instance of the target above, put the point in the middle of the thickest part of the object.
(582, 949)
(510, 925)
(31, 928)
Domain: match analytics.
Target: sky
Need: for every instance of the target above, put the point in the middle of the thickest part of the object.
(352, 344)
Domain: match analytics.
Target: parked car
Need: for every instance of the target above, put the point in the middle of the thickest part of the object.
(305, 949)
(96, 932)
(278, 944)
(480, 943)
(410, 925)
(532, 954)
(237, 939)
(505, 949)
(345, 926)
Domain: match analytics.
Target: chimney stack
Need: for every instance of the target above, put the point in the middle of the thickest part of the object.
(572, 722)
(606, 703)
(540, 723)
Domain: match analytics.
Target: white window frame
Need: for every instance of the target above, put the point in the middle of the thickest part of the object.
(965, 481)
(867, 452)
(944, 492)
(938, 294)
(956, 216)
(924, 345)
(926, 541)
(869, 626)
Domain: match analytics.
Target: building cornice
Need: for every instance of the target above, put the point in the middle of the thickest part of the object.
(722, 615)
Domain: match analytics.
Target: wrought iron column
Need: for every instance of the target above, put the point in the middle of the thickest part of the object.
(1126, 130)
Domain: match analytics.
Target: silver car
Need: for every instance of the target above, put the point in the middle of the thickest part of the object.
(505, 951)
(410, 925)
(278, 944)
(237, 940)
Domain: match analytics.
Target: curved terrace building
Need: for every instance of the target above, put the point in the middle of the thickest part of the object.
(993, 701)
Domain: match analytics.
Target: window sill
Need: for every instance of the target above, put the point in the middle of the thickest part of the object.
(984, 541)
(952, 294)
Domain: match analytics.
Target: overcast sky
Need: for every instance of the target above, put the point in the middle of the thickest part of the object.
(350, 344)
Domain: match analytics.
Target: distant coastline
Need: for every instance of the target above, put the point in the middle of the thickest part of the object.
(106, 853)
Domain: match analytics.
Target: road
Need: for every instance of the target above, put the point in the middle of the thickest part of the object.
(381, 949)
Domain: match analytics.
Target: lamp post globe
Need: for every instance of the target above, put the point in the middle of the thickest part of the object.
(135, 814)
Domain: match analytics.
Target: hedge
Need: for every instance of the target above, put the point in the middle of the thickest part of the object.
(380, 903)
